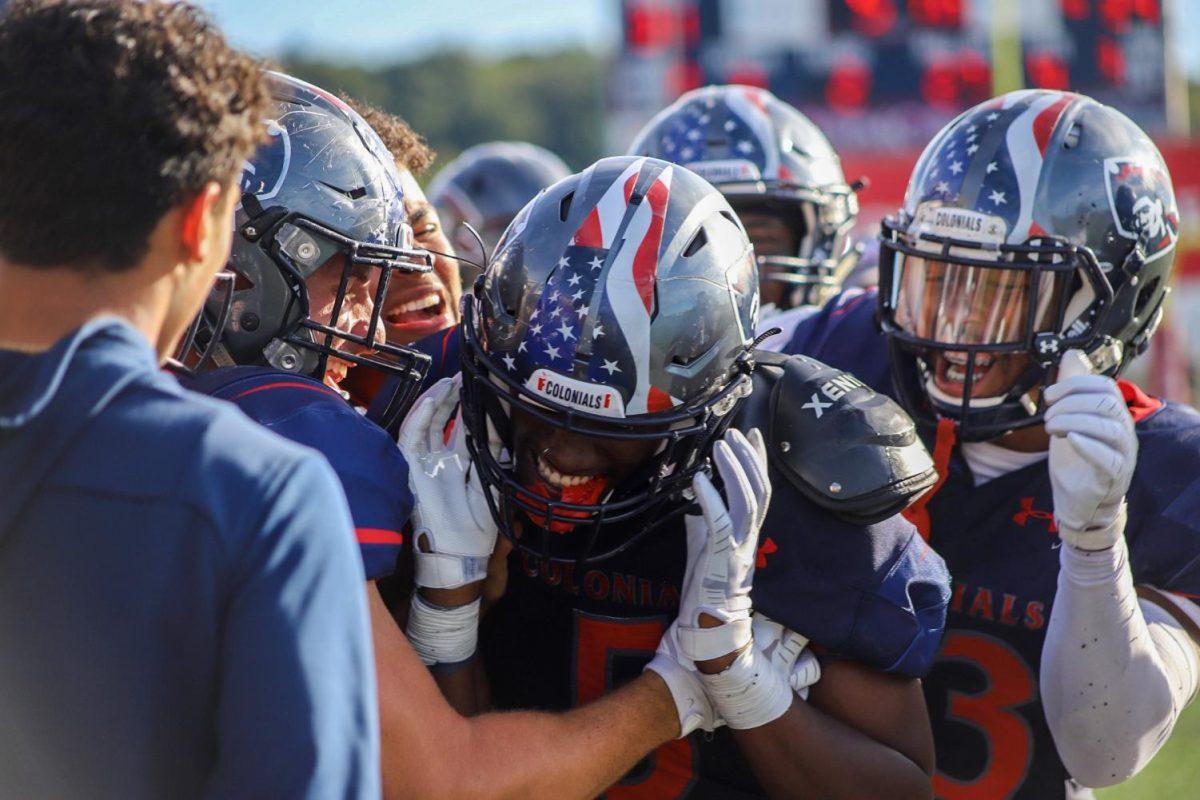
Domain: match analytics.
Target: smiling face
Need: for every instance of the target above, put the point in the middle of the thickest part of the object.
(557, 464)
(354, 316)
(419, 305)
(951, 303)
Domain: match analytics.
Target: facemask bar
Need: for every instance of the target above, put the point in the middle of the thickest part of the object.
(652, 497)
(409, 365)
(827, 215)
(981, 420)
(183, 363)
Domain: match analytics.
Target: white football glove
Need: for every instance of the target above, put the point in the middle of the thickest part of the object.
(451, 516)
(453, 530)
(784, 649)
(1093, 450)
(788, 653)
(722, 544)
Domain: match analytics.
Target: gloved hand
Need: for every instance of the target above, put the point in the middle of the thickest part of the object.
(722, 545)
(784, 650)
(1093, 450)
(453, 530)
(454, 533)
(787, 652)
(722, 542)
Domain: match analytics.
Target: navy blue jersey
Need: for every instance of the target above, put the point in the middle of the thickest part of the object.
(373, 473)
(181, 609)
(1000, 544)
(564, 635)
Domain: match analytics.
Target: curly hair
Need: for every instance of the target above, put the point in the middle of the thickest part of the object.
(405, 144)
(112, 112)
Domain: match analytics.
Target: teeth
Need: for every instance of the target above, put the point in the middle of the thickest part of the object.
(956, 373)
(558, 479)
(428, 301)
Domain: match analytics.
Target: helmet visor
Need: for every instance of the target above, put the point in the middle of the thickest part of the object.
(949, 303)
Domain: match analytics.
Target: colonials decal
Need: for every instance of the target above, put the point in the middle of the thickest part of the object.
(583, 396)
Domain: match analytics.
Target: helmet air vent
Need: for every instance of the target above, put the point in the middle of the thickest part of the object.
(564, 206)
(698, 241)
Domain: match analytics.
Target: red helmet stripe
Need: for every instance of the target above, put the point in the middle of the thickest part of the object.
(645, 263)
(589, 233)
(1045, 122)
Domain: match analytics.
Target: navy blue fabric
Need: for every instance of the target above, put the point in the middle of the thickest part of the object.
(367, 461)
(442, 348)
(1001, 546)
(181, 609)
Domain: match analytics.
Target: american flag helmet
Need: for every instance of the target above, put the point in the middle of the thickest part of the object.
(322, 185)
(765, 155)
(1036, 222)
(621, 303)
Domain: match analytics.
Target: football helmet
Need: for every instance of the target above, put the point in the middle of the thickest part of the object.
(1036, 222)
(487, 185)
(621, 303)
(766, 156)
(322, 186)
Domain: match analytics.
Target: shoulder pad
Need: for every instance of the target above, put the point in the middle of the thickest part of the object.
(839, 443)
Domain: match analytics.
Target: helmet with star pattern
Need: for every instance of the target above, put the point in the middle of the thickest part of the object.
(621, 304)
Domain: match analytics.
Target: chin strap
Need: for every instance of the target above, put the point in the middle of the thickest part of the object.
(943, 446)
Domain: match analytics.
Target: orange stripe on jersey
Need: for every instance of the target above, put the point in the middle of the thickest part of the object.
(378, 536)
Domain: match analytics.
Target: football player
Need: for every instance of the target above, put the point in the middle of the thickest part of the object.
(782, 177)
(418, 304)
(320, 230)
(607, 347)
(1027, 268)
(486, 186)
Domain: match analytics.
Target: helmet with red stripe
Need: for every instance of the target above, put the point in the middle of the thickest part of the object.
(1036, 222)
(620, 306)
(769, 160)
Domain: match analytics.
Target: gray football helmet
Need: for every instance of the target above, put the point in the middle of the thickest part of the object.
(766, 156)
(620, 304)
(487, 185)
(322, 185)
(1036, 222)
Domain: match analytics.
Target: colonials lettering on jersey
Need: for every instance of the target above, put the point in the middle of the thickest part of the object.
(590, 397)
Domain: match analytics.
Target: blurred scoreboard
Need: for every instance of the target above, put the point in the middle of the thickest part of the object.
(883, 73)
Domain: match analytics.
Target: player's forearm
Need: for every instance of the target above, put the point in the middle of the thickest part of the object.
(1115, 673)
(459, 686)
(574, 754)
(808, 754)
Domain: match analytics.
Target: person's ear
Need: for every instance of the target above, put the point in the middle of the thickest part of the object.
(200, 216)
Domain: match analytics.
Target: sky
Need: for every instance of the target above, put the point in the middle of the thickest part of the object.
(384, 31)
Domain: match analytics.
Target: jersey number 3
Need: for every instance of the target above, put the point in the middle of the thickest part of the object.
(603, 646)
(1009, 684)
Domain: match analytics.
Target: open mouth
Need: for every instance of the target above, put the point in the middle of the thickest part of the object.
(554, 485)
(561, 480)
(952, 369)
(418, 313)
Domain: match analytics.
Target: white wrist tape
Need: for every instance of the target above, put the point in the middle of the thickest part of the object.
(704, 644)
(750, 693)
(442, 635)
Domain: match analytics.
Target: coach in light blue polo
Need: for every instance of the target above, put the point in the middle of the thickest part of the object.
(181, 603)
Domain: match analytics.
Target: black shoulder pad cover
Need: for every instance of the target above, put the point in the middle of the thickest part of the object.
(842, 445)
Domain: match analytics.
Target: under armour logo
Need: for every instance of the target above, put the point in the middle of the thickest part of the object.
(765, 549)
(1027, 511)
(817, 406)
(1048, 345)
